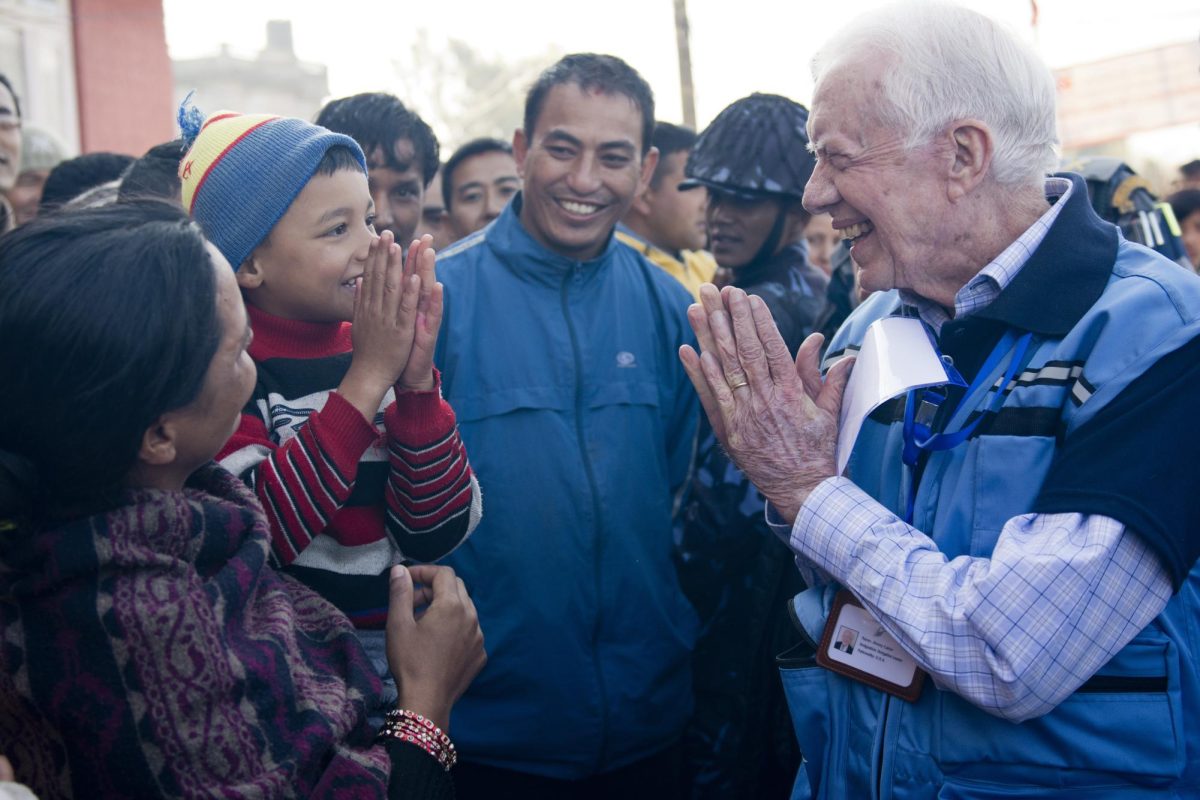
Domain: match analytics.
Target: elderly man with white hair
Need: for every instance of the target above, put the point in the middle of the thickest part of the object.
(1026, 541)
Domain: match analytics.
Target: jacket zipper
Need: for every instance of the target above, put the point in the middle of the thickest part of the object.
(597, 527)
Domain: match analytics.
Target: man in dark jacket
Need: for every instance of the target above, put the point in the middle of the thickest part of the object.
(752, 161)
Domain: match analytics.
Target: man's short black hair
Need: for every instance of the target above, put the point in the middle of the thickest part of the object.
(156, 174)
(75, 176)
(1191, 170)
(1184, 203)
(669, 139)
(475, 147)
(593, 72)
(377, 120)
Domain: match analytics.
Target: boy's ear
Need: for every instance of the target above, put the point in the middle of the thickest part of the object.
(158, 447)
(250, 274)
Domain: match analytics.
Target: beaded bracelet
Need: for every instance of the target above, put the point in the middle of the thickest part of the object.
(409, 726)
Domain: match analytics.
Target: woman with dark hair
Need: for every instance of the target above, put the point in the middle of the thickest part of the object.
(146, 646)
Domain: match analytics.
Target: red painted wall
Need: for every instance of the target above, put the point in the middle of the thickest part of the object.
(122, 75)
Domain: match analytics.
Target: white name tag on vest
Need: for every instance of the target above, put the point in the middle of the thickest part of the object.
(854, 644)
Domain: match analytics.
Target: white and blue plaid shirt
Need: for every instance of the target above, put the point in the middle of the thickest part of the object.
(1015, 633)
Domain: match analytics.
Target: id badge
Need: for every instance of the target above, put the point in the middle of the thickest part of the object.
(854, 644)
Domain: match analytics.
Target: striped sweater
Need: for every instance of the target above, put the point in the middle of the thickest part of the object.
(347, 497)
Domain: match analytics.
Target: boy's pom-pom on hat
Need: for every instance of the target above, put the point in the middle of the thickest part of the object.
(190, 119)
(244, 170)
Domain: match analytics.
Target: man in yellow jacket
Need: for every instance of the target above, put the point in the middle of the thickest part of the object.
(667, 225)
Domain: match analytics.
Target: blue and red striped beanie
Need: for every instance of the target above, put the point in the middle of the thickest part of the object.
(244, 170)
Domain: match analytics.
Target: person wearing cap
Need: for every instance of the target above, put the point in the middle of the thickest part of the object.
(40, 153)
(666, 223)
(753, 162)
(346, 439)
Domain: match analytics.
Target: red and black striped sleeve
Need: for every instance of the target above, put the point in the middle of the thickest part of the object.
(303, 482)
(432, 498)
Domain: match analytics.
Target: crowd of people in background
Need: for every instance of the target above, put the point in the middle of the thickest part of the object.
(331, 468)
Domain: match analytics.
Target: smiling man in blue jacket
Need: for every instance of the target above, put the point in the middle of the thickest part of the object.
(558, 351)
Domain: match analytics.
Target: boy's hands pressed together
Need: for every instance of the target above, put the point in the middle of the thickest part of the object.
(385, 316)
(418, 372)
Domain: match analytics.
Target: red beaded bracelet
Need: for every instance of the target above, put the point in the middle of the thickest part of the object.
(409, 726)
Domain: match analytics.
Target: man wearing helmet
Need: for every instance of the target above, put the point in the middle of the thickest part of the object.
(753, 162)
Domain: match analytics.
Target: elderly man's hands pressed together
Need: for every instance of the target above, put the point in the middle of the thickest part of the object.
(777, 419)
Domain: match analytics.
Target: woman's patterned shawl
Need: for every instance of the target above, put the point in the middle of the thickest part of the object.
(151, 651)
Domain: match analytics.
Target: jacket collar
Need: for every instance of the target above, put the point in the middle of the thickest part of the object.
(524, 256)
(1065, 276)
(645, 247)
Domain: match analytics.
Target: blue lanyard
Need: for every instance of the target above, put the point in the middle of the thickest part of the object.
(918, 433)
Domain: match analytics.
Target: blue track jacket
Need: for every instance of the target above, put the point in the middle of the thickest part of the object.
(580, 422)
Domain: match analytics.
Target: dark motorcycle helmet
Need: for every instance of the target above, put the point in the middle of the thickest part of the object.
(756, 147)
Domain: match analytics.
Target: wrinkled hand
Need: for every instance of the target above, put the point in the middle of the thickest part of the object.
(777, 419)
(433, 656)
(418, 372)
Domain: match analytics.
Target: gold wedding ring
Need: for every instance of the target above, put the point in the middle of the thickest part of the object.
(733, 387)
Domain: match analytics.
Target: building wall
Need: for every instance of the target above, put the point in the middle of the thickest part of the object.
(123, 75)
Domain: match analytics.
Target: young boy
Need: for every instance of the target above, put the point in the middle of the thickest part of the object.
(347, 441)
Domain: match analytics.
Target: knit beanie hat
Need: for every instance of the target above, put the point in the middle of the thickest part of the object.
(244, 170)
(39, 150)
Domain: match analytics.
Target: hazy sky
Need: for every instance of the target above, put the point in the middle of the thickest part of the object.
(737, 47)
